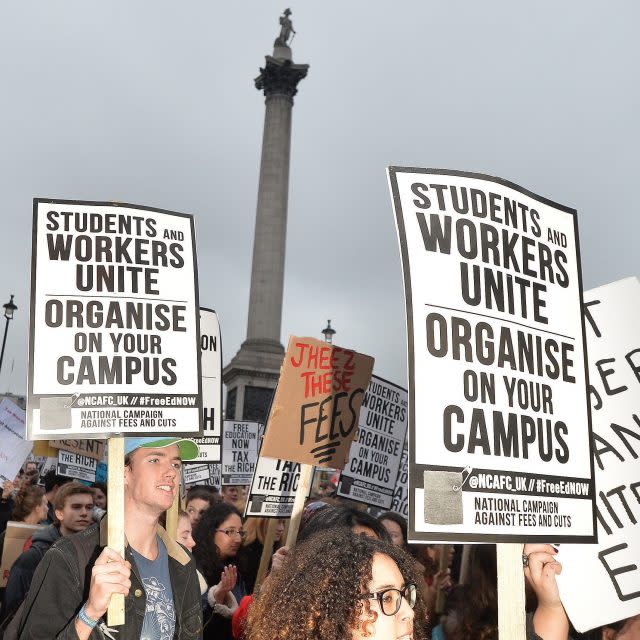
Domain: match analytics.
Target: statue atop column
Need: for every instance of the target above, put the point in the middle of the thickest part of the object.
(286, 29)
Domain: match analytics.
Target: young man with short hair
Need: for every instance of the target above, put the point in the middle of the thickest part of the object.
(73, 507)
(157, 576)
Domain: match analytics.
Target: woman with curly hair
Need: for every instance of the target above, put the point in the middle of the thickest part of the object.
(218, 536)
(338, 585)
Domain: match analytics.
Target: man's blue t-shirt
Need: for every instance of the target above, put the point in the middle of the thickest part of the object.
(160, 614)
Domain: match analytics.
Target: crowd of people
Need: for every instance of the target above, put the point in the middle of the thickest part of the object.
(349, 576)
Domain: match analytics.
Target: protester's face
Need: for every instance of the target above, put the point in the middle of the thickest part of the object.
(42, 508)
(76, 515)
(385, 575)
(367, 531)
(151, 479)
(195, 509)
(433, 551)
(31, 467)
(279, 531)
(394, 531)
(99, 498)
(230, 494)
(183, 533)
(228, 545)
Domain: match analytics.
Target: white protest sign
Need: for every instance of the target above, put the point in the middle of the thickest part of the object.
(114, 322)
(239, 451)
(14, 449)
(400, 502)
(273, 488)
(374, 457)
(499, 431)
(209, 449)
(49, 464)
(76, 465)
(196, 474)
(609, 568)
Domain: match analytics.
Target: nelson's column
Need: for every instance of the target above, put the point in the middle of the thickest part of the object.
(253, 373)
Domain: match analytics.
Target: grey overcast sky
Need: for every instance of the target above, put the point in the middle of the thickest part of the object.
(152, 102)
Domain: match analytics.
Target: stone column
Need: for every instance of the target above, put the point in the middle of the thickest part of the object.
(257, 363)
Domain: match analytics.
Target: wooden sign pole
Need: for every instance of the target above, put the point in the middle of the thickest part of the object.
(267, 551)
(115, 520)
(443, 565)
(465, 564)
(304, 484)
(511, 598)
(172, 516)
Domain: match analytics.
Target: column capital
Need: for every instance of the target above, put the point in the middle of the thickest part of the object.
(280, 77)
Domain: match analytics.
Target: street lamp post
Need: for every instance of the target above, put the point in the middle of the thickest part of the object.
(9, 309)
(328, 332)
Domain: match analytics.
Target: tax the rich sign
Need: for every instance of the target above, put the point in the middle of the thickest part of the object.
(374, 458)
(114, 322)
(610, 568)
(240, 444)
(314, 414)
(499, 423)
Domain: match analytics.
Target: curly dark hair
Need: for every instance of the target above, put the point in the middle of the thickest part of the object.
(315, 593)
(208, 559)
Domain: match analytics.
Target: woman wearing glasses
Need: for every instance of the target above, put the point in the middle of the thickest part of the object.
(337, 585)
(218, 538)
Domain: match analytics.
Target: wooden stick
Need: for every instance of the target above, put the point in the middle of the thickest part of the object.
(465, 564)
(443, 565)
(511, 599)
(306, 474)
(115, 520)
(267, 551)
(172, 516)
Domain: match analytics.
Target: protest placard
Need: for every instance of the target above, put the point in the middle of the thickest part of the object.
(15, 537)
(609, 568)
(374, 458)
(499, 431)
(76, 465)
(14, 449)
(400, 502)
(114, 322)
(209, 448)
(196, 474)
(92, 448)
(273, 488)
(314, 414)
(239, 451)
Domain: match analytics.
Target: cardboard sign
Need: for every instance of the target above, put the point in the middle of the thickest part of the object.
(609, 568)
(273, 488)
(75, 465)
(209, 449)
(196, 474)
(114, 322)
(15, 537)
(239, 451)
(499, 431)
(374, 458)
(92, 448)
(14, 449)
(314, 415)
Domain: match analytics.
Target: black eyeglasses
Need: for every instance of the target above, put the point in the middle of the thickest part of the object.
(391, 599)
(233, 532)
